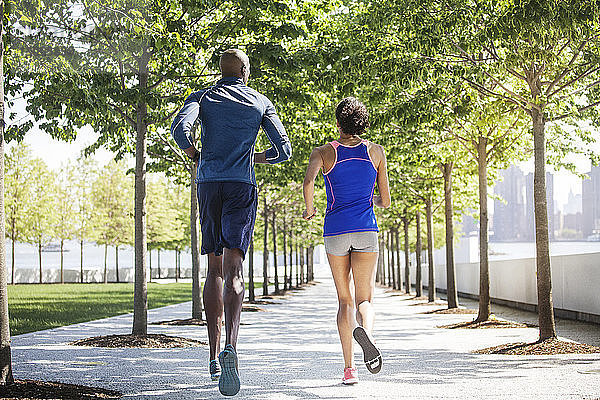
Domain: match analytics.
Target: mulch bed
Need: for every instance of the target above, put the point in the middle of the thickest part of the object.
(428, 303)
(491, 323)
(30, 389)
(545, 347)
(182, 322)
(252, 308)
(261, 302)
(452, 311)
(152, 341)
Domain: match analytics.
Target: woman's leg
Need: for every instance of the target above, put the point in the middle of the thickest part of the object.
(340, 269)
(363, 267)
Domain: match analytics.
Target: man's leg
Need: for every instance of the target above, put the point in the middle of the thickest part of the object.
(213, 302)
(233, 294)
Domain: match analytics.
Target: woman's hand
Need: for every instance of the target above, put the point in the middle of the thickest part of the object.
(307, 215)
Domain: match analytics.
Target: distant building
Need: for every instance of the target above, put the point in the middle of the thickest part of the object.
(513, 218)
(590, 200)
(509, 215)
(573, 205)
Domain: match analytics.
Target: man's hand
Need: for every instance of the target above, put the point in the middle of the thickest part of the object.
(307, 215)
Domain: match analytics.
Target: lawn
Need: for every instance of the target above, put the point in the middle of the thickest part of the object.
(33, 307)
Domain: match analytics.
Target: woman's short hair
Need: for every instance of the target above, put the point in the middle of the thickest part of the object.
(352, 115)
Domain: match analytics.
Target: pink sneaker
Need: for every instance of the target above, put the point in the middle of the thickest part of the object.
(350, 376)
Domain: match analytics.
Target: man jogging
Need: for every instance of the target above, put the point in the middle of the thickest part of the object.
(230, 114)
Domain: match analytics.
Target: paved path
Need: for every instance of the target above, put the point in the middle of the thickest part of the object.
(292, 352)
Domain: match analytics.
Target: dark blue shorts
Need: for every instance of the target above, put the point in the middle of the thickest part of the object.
(227, 212)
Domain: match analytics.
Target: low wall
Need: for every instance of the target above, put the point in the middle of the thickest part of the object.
(575, 283)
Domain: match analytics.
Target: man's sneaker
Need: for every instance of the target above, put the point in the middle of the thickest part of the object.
(229, 381)
(350, 376)
(215, 370)
(371, 354)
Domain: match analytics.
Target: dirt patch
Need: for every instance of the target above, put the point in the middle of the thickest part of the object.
(545, 347)
(489, 324)
(452, 311)
(30, 389)
(153, 341)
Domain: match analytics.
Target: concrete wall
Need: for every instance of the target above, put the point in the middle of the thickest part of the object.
(575, 283)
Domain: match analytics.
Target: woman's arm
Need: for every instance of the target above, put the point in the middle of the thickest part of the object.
(383, 200)
(315, 163)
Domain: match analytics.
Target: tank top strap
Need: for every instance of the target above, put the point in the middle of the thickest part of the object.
(334, 144)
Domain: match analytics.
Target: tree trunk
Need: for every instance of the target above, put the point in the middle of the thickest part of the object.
(542, 246)
(391, 275)
(117, 263)
(383, 259)
(273, 225)
(302, 265)
(12, 244)
(177, 266)
(405, 223)
(140, 296)
(251, 298)
(396, 249)
(291, 255)
(265, 248)
(105, 263)
(6, 375)
(40, 259)
(450, 271)
(418, 246)
(62, 261)
(379, 259)
(311, 264)
(81, 261)
(158, 264)
(395, 280)
(484, 270)
(431, 267)
(194, 243)
(307, 275)
(297, 266)
(285, 287)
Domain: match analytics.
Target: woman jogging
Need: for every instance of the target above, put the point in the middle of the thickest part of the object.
(351, 168)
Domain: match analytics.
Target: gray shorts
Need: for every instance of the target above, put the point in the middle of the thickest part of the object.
(344, 244)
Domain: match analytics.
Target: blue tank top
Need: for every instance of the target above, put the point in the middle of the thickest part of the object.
(350, 186)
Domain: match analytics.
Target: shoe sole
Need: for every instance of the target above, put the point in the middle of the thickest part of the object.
(371, 354)
(229, 381)
(350, 382)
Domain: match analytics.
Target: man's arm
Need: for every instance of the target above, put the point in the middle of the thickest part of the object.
(281, 149)
(183, 125)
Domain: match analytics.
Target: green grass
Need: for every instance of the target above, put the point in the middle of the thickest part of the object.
(33, 307)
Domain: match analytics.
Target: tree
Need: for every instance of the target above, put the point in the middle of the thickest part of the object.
(17, 180)
(112, 209)
(64, 224)
(6, 375)
(540, 57)
(42, 214)
(83, 181)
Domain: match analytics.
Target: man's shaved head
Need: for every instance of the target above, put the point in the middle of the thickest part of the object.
(235, 62)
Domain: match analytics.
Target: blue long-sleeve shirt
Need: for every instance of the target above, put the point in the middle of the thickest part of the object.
(231, 115)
